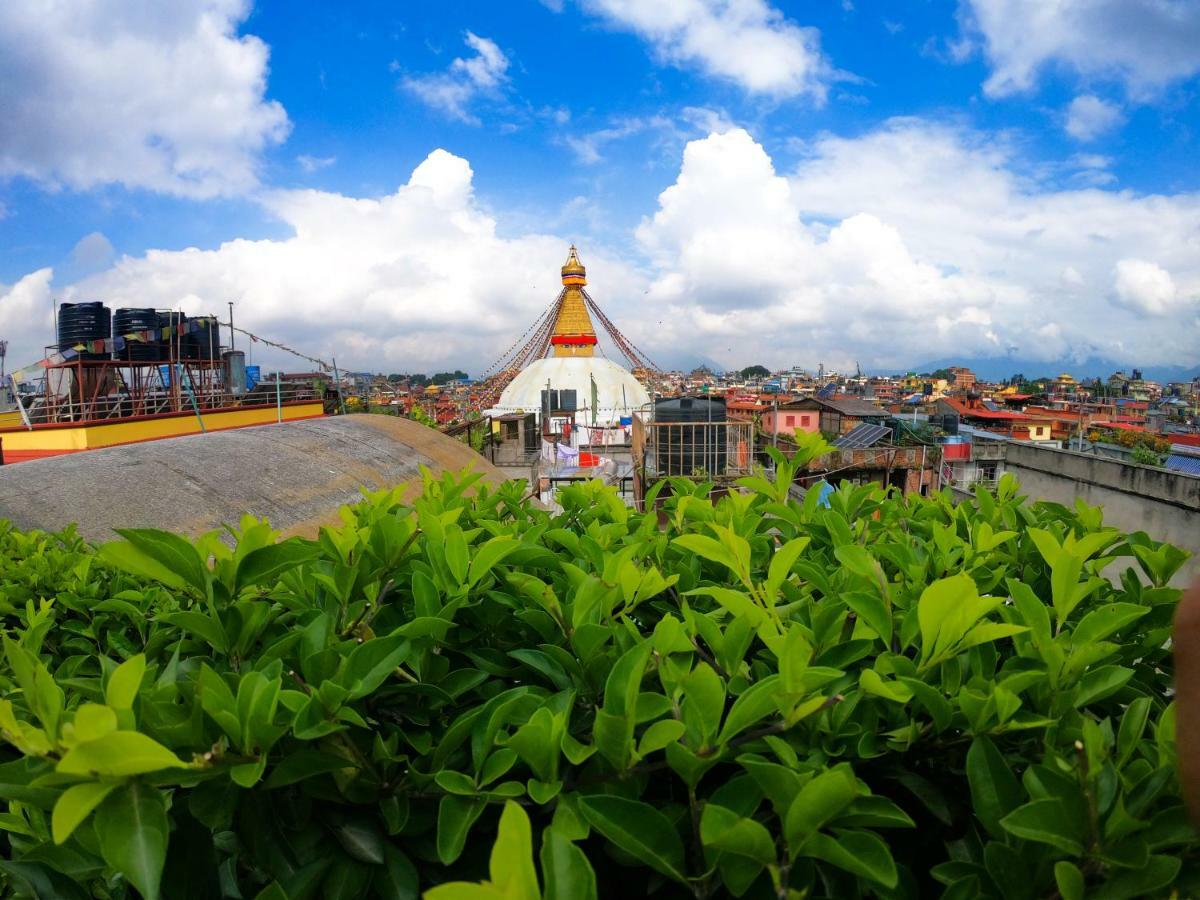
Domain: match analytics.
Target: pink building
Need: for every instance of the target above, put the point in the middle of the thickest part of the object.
(785, 420)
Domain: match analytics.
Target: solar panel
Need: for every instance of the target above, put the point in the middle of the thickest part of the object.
(828, 391)
(861, 437)
(988, 404)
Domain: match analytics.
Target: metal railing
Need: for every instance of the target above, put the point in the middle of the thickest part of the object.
(689, 449)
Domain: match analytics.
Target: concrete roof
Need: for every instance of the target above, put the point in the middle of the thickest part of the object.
(297, 474)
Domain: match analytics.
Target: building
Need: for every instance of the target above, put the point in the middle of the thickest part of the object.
(835, 417)
(592, 390)
(963, 378)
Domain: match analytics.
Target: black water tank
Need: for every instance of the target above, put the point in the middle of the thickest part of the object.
(176, 343)
(79, 323)
(695, 444)
(205, 339)
(126, 321)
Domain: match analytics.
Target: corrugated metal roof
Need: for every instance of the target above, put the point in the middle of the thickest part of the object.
(1188, 465)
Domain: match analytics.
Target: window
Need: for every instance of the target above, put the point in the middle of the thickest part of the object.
(791, 420)
(805, 420)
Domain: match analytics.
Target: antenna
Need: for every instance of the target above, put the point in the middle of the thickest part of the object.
(3, 353)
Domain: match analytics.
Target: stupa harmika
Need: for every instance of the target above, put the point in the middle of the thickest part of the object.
(562, 352)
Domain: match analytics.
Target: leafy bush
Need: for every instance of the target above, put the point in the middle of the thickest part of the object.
(887, 697)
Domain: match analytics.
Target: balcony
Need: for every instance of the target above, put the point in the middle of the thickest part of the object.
(693, 449)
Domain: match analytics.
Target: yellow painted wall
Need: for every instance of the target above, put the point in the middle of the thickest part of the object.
(90, 437)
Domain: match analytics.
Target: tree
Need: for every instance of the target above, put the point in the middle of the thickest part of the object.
(755, 372)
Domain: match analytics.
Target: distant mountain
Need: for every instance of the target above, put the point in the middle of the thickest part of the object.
(1001, 367)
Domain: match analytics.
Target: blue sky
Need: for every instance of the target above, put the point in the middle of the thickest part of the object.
(887, 182)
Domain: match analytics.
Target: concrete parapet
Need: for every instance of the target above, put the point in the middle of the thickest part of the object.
(297, 474)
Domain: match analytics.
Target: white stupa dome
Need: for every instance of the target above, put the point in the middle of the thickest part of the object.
(618, 393)
(573, 364)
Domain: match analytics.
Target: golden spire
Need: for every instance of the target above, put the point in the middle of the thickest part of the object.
(573, 332)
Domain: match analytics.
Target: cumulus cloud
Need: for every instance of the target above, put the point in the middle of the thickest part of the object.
(418, 280)
(26, 316)
(453, 90)
(1143, 43)
(1143, 286)
(912, 243)
(747, 42)
(1088, 117)
(164, 96)
(916, 242)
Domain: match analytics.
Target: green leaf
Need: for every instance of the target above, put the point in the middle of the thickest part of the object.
(204, 627)
(456, 815)
(712, 550)
(872, 610)
(1133, 726)
(128, 558)
(1069, 880)
(818, 803)
(565, 868)
(1148, 881)
(93, 721)
(361, 838)
(75, 805)
(755, 704)
(995, 791)
(1106, 620)
(372, 662)
(267, 564)
(131, 825)
(782, 561)
(703, 701)
(488, 556)
(172, 552)
(1100, 683)
(1048, 822)
(724, 830)
(124, 683)
(119, 753)
(305, 764)
(639, 829)
(658, 735)
(511, 865)
(859, 852)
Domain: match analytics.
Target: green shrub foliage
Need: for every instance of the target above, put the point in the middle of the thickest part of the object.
(470, 697)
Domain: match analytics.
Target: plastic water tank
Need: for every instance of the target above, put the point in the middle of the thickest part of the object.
(79, 323)
(126, 321)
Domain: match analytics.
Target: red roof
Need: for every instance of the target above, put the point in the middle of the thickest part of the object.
(983, 413)
(1123, 426)
(1190, 440)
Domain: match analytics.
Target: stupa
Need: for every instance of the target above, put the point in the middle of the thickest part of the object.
(562, 356)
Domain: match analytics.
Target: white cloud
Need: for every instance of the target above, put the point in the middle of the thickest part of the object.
(312, 164)
(165, 96)
(748, 42)
(588, 146)
(1088, 117)
(1144, 43)
(910, 244)
(415, 280)
(26, 317)
(92, 251)
(1143, 286)
(454, 90)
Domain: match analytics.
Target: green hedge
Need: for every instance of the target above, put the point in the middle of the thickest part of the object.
(753, 697)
